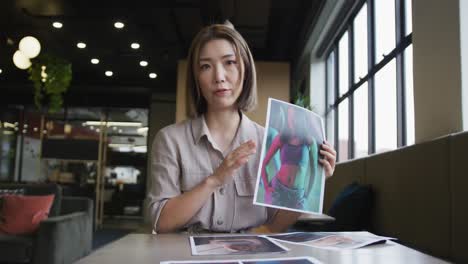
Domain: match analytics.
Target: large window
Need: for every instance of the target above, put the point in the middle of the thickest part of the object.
(370, 82)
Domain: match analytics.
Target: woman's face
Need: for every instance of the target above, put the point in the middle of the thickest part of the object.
(219, 75)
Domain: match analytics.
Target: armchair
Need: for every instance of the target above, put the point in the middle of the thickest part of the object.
(64, 237)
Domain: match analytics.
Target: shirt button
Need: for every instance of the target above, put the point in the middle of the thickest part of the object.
(221, 191)
(219, 222)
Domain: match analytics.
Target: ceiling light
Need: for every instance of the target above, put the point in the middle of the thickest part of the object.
(135, 45)
(153, 75)
(140, 149)
(67, 128)
(57, 25)
(109, 73)
(0, 71)
(111, 123)
(143, 63)
(30, 46)
(119, 25)
(94, 61)
(119, 145)
(81, 45)
(21, 61)
(142, 130)
(7, 124)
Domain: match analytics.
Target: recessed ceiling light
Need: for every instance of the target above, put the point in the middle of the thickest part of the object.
(81, 45)
(153, 75)
(119, 24)
(135, 45)
(1, 71)
(57, 25)
(94, 61)
(109, 73)
(143, 63)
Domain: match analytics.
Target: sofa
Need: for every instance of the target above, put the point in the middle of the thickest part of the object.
(64, 237)
(419, 194)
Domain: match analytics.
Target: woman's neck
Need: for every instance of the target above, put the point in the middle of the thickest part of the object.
(223, 126)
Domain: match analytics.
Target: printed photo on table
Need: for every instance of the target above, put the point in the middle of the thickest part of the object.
(332, 240)
(233, 245)
(283, 261)
(289, 260)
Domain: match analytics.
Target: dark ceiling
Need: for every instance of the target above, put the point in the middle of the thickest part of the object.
(274, 30)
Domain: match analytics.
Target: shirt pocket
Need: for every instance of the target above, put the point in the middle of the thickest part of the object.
(245, 187)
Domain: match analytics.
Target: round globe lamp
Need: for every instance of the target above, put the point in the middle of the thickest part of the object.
(21, 61)
(30, 46)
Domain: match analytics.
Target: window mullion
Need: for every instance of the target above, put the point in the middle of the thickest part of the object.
(371, 84)
(350, 84)
(336, 87)
(400, 77)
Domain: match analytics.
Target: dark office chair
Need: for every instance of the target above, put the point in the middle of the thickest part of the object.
(351, 209)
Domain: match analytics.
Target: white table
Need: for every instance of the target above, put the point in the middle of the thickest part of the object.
(146, 248)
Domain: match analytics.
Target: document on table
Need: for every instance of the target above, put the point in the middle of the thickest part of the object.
(234, 245)
(331, 240)
(292, 260)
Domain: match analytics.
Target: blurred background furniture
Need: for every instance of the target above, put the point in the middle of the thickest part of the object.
(64, 237)
(419, 194)
(350, 211)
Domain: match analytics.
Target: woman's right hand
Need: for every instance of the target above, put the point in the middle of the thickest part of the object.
(234, 160)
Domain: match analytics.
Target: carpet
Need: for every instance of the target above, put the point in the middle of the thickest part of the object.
(104, 236)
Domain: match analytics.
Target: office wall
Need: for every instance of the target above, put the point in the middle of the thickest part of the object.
(161, 114)
(437, 68)
(272, 81)
(464, 62)
(182, 106)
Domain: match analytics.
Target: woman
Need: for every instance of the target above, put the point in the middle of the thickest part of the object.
(204, 169)
(294, 179)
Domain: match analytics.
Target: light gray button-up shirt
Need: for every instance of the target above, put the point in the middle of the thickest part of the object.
(184, 154)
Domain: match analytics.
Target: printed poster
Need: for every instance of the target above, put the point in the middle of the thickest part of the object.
(290, 176)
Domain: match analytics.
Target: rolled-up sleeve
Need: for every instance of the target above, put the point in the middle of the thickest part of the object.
(164, 174)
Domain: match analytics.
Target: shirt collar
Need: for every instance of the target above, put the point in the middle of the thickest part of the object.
(199, 128)
(244, 133)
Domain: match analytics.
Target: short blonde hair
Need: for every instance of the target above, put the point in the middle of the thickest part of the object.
(248, 98)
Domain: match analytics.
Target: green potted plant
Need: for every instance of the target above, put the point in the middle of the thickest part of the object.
(51, 77)
(302, 100)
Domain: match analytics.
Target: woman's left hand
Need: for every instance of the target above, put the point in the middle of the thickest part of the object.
(329, 158)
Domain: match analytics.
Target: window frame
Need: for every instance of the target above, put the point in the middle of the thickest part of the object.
(402, 41)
